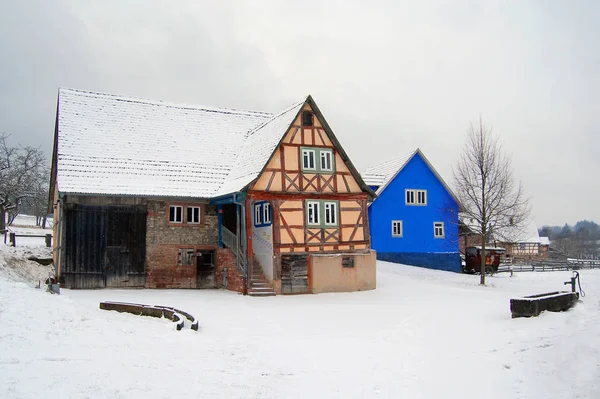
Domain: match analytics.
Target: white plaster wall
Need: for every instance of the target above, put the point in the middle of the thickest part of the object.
(262, 248)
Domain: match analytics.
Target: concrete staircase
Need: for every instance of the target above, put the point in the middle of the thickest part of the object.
(259, 285)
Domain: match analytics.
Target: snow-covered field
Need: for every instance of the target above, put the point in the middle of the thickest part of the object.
(421, 334)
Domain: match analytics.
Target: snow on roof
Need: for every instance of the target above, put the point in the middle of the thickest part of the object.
(544, 241)
(257, 149)
(380, 175)
(109, 144)
(527, 233)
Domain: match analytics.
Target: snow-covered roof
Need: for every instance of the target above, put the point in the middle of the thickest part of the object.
(525, 233)
(257, 148)
(544, 240)
(381, 175)
(109, 144)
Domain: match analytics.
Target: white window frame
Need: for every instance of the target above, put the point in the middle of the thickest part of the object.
(316, 211)
(401, 228)
(436, 226)
(257, 214)
(192, 208)
(326, 155)
(266, 213)
(415, 197)
(311, 153)
(174, 220)
(333, 213)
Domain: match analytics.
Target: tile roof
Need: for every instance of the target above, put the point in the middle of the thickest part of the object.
(380, 175)
(110, 144)
(257, 149)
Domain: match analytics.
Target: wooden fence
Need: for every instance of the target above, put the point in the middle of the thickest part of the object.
(12, 238)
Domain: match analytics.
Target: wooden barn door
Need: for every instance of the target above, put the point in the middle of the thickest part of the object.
(125, 247)
(294, 274)
(105, 246)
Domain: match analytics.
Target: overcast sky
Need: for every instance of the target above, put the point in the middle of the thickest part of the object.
(389, 76)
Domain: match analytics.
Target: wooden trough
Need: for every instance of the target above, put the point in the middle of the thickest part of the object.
(175, 315)
(533, 305)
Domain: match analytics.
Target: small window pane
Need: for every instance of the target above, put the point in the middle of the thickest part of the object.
(396, 228)
(193, 214)
(331, 213)
(266, 213)
(326, 160)
(308, 159)
(307, 118)
(313, 213)
(257, 214)
(438, 229)
(176, 214)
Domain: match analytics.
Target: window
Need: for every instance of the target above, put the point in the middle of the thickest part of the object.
(396, 228)
(330, 213)
(193, 214)
(257, 214)
(312, 209)
(186, 257)
(317, 160)
(308, 159)
(326, 161)
(322, 214)
(307, 118)
(416, 197)
(266, 213)
(176, 214)
(262, 214)
(438, 229)
(184, 214)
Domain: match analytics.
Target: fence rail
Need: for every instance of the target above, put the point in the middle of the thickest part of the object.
(550, 266)
(12, 237)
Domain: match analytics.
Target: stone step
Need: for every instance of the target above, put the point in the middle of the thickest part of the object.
(261, 293)
(267, 288)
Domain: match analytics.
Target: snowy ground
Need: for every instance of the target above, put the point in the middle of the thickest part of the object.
(421, 334)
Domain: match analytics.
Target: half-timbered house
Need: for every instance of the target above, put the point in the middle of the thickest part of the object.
(152, 194)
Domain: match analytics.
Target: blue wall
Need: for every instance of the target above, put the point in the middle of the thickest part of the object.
(418, 244)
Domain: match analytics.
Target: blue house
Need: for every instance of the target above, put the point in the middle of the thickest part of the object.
(414, 219)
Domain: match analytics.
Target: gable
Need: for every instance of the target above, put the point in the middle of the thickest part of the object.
(417, 175)
(285, 172)
(384, 174)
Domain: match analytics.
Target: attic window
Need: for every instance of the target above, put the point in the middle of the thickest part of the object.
(307, 118)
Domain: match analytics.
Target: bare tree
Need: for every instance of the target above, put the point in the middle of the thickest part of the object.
(493, 202)
(23, 172)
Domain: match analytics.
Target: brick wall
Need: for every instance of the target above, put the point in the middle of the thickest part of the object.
(226, 259)
(163, 241)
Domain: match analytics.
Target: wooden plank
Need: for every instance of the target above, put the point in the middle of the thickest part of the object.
(270, 181)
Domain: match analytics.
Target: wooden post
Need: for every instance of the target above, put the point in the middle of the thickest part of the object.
(220, 225)
(13, 240)
(48, 240)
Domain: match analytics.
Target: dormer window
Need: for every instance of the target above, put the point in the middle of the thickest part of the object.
(307, 118)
